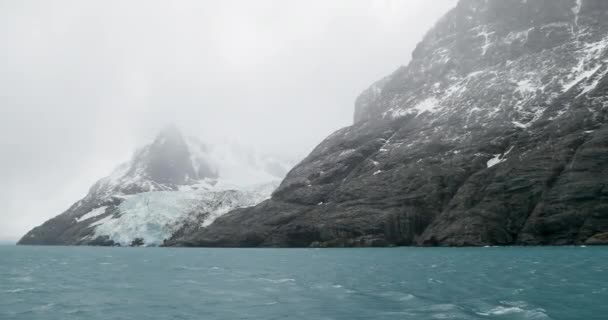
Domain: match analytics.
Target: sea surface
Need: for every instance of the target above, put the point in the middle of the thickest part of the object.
(59, 283)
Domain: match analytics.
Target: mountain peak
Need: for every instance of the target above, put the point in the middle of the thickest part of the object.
(486, 48)
(170, 132)
(168, 162)
(168, 159)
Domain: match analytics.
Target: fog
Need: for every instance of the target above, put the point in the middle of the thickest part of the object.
(83, 83)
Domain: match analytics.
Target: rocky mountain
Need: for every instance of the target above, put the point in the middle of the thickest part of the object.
(170, 186)
(496, 133)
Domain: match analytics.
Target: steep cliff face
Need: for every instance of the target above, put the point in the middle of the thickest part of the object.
(496, 133)
(172, 185)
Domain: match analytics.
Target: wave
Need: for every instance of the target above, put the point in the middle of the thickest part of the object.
(15, 290)
(512, 310)
(286, 280)
(397, 296)
(43, 307)
(22, 279)
(188, 268)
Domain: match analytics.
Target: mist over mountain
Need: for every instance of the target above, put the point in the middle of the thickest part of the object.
(84, 83)
(173, 184)
(495, 134)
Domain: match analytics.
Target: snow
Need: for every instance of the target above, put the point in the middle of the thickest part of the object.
(498, 158)
(487, 43)
(92, 214)
(397, 113)
(576, 10)
(555, 25)
(581, 76)
(524, 86)
(428, 105)
(589, 87)
(590, 53)
(519, 124)
(102, 221)
(346, 152)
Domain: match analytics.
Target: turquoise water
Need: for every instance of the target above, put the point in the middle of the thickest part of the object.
(400, 283)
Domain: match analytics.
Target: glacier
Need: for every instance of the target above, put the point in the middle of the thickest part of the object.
(155, 216)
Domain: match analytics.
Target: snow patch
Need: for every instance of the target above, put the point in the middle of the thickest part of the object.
(92, 214)
(428, 105)
(519, 124)
(498, 158)
(525, 86)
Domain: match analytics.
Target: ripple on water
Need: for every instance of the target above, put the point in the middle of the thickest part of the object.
(189, 268)
(397, 296)
(477, 284)
(20, 290)
(22, 279)
(285, 280)
(43, 307)
(75, 312)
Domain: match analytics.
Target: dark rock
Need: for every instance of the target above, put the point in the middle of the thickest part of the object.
(598, 239)
(103, 241)
(137, 242)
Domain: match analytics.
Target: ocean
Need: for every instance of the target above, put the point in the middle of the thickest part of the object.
(59, 283)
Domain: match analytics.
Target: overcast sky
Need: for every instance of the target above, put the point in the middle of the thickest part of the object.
(83, 83)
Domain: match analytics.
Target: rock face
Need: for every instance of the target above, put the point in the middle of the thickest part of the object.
(496, 133)
(171, 185)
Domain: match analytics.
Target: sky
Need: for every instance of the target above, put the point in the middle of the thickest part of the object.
(85, 82)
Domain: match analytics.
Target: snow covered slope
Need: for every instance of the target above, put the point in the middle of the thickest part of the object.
(171, 184)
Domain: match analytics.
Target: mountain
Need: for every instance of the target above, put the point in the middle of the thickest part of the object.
(170, 186)
(496, 133)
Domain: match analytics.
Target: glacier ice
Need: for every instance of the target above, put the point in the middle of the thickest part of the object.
(156, 216)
